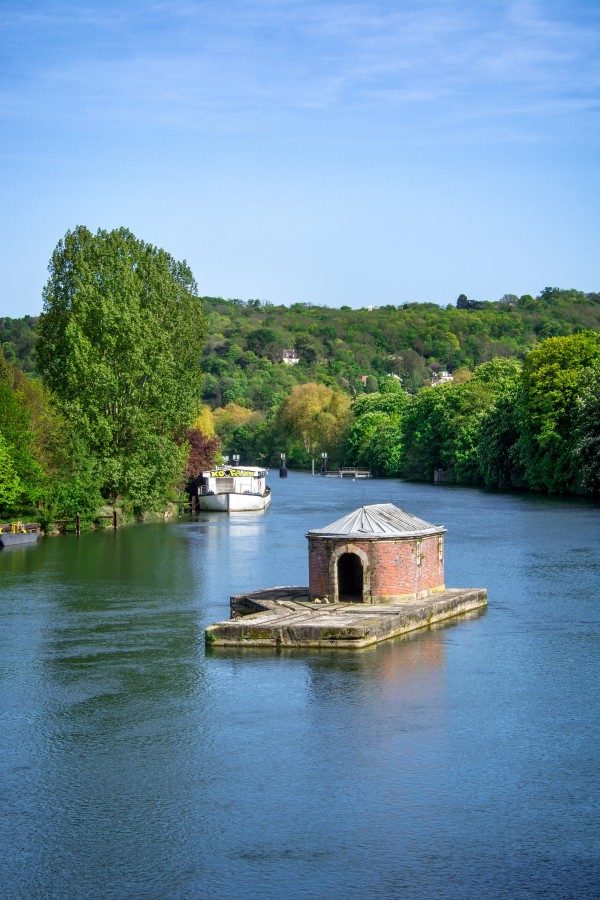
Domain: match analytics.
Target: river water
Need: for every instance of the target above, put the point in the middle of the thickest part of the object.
(460, 762)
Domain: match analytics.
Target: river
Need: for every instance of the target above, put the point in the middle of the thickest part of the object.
(460, 762)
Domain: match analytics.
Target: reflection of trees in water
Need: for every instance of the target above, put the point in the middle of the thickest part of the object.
(124, 625)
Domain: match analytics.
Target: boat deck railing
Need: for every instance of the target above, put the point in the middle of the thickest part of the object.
(347, 472)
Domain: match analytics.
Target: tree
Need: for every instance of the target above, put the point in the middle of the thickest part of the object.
(391, 403)
(440, 427)
(203, 450)
(265, 342)
(307, 348)
(119, 345)
(498, 372)
(10, 483)
(375, 442)
(51, 466)
(497, 432)
(205, 421)
(553, 379)
(228, 418)
(587, 430)
(15, 428)
(498, 441)
(375, 437)
(317, 415)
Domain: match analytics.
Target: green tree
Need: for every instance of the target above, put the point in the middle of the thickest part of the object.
(391, 403)
(498, 372)
(119, 346)
(266, 342)
(553, 378)
(440, 427)
(18, 437)
(316, 415)
(375, 436)
(498, 435)
(587, 430)
(10, 483)
(375, 442)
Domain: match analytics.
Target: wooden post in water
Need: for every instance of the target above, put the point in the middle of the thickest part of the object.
(193, 504)
(77, 524)
(115, 520)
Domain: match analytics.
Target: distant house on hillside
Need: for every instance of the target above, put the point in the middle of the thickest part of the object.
(290, 358)
(441, 378)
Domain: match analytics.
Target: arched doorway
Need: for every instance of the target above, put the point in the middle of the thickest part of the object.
(350, 578)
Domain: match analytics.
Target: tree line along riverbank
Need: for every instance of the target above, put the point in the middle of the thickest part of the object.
(130, 383)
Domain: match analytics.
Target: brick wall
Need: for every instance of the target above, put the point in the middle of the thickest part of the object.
(397, 568)
(318, 568)
(409, 566)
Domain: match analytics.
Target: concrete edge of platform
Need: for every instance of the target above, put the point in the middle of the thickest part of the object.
(277, 617)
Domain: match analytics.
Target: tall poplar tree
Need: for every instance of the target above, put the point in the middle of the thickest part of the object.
(119, 345)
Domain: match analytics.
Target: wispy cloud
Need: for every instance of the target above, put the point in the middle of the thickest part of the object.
(194, 64)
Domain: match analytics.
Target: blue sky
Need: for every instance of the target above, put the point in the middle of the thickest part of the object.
(328, 151)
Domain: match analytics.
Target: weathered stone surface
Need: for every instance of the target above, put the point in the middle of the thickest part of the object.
(284, 617)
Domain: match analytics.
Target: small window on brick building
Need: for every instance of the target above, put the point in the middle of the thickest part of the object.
(419, 553)
(440, 548)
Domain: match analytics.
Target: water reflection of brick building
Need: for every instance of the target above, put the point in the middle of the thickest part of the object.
(376, 554)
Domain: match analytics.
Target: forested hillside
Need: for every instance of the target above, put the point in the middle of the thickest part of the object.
(128, 394)
(351, 350)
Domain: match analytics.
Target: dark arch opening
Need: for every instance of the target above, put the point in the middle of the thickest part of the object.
(350, 578)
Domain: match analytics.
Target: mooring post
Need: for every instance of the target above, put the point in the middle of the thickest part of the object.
(77, 524)
(193, 504)
(115, 520)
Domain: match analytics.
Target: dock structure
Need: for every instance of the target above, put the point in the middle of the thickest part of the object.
(347, 472)
(376, 573)
(285, 617)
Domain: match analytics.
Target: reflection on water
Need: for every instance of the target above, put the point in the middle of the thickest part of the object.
(456, 761)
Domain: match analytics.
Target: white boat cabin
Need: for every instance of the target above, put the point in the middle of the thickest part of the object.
(232, 480)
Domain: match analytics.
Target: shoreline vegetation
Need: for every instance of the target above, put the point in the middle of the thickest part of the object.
(130, 384)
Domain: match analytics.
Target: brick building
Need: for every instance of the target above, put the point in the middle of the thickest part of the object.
(376, 554)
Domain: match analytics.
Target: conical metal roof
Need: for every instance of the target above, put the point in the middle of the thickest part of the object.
(380, 520)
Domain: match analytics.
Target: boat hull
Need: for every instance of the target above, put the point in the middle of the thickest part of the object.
(10, 539)
(233, 502)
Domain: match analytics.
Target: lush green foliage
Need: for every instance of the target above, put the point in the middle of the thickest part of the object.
(21, 476)
(120, 340)
(45, 471)
(10, 483)
(534, 426)
(315, 416)
(587, 429)
(17, 341)
(354, 350)
(553, 378)
(118, 345)
(375, 438)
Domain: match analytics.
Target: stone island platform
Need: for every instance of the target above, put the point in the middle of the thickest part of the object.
(375, 573)
(285, 617)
